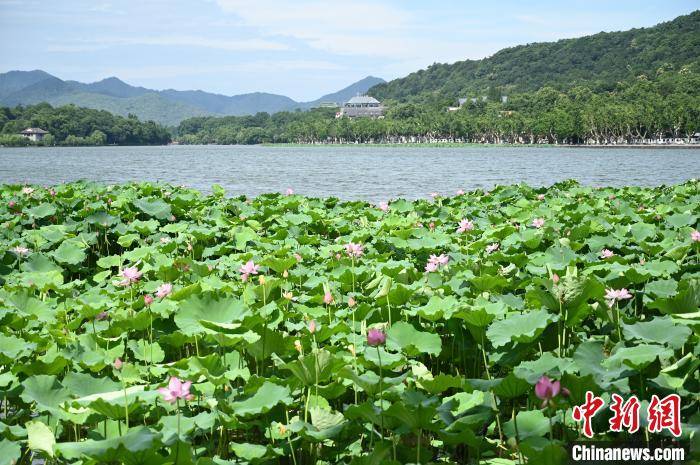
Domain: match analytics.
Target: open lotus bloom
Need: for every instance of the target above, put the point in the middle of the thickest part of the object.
(176, 390)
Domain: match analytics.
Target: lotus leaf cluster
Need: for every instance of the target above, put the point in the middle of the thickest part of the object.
(152, 324)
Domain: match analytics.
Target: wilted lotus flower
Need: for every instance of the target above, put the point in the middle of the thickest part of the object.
(464, 226)
(130, 274)
(176, 390)
(101, 316)
(328, 298)
(538, 223)
(20, 251)
(164, 290)
(695, 235)
(612, 295)
(147, 299)
(246, 270)
(383, 206)
(375, 337)
(354, 250)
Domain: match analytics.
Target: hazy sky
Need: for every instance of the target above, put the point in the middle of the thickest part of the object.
(299, 48)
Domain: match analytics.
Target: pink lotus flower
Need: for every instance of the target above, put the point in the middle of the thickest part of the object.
(164, 290)
(147, 300)
(492, 247)
(695, 235)
(165, 240)
(547, 389)
(176, 390)
(430, 267)
(118, 364)
(246, 270)
(612, 295)
(11, 204)
(540, 197)
(351, 302)
(101, 316)
(354, 250)
(27, 190)
(312, 326)
(460, 192)
(464, 226)
(555, 278)
(383, 206)
(289, 191)
(130, 275)
(20, 251)
(298, 257)
(327, 298)
(441, 259)
(375, 337)
(52, 193)
(605, 253)
(433, 195)
(538, 223)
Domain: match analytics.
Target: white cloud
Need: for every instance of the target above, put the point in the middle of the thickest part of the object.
(179, 41)
(342, 27)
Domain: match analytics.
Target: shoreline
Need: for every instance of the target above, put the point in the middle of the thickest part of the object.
(470, 145)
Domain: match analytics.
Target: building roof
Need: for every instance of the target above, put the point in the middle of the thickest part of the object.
(34, 131)
(363, 99)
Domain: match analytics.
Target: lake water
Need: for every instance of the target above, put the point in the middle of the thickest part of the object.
(350, 172)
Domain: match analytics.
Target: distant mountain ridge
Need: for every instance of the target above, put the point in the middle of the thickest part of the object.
(166, 107)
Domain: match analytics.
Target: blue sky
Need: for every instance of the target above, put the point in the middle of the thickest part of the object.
(299, 48)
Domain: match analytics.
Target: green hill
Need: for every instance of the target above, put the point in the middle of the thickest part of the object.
(148, 107)
(598, 60)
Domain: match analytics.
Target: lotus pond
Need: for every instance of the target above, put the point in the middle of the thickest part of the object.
(148, 324)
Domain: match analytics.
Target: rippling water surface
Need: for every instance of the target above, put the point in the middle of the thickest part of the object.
(349, 172)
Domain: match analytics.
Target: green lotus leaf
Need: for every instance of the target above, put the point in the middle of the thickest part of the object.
(134, 442)
(40, 437)
(10, 452)
(70, 252)
(531, 423)
(519, 327)
(637, 357)
(404, 336)
(661, 330)
(42, 210)
(211, 308)
(156, 208)
(266, 397)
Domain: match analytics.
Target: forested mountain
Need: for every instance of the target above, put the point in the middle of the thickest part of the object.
(71, 125)
(166, 107)
(598, 61)
(638, 110)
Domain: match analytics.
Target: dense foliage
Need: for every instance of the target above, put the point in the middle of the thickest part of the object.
(597, 61)
(71, 125)
(665, 105)
(318, 331)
